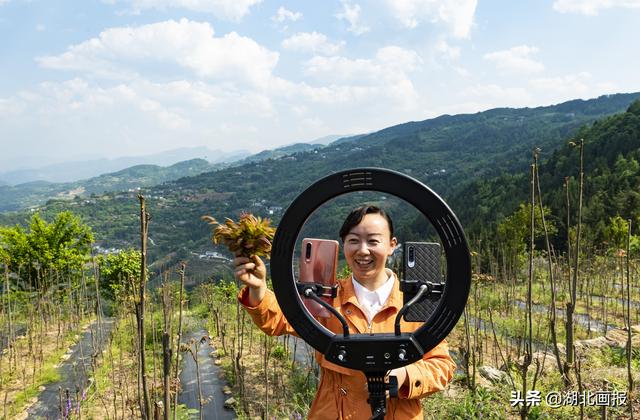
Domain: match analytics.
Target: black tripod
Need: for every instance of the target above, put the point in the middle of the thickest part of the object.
(378, 388)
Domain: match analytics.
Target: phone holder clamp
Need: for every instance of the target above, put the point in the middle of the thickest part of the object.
(412, 287)
(319, 290)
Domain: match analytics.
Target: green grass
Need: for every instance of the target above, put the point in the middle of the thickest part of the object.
(492, 402)
(48, 374)
(616, 356)
(485, 404)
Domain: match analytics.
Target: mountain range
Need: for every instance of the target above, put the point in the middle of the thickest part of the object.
(35, 193)
(71, 171)
(78, 170)
(461, 157)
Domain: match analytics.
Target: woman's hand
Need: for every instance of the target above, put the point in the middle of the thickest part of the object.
(253, 273)
(400, 374)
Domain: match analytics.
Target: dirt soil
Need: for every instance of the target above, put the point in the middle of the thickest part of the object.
(211, 381)
(75, 372)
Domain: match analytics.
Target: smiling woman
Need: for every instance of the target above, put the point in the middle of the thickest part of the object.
(369, 301)
(367, 235)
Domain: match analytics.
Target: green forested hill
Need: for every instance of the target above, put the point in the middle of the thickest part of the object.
(448, 153)
(279, 152)
(37, 193)
(611, 187)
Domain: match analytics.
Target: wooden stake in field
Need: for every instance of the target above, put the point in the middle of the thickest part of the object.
(166, 348)
(193, 347)
(552, 322)
(627, 320)
(571, 306)
(179, 337)
(144, 219)
(7, 311)
(524, 409)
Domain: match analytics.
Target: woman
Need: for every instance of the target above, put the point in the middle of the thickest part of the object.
(369, 301)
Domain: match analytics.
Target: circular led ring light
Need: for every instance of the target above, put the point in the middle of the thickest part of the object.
(374, 352)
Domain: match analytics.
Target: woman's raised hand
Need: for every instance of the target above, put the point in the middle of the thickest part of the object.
(253, 273)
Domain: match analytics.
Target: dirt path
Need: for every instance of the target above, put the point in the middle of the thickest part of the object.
(74, 371)
(210, 379)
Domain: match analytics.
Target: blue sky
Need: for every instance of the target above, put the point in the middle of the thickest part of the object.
(108, 78)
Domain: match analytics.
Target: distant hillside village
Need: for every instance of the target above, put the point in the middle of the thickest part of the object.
(211, 255)
(206, 255)
(99, 250)
(271, 210)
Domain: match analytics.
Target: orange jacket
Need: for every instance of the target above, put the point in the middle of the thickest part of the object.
(342, 392)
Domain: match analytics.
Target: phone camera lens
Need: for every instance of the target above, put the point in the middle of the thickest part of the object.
(308, 251)
(411, 254)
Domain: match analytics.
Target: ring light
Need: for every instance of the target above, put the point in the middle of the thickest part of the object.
(373, 353)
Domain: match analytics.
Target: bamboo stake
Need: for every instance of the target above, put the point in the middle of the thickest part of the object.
(179, 338)
(627, 319)
(552, 323)
(571, 306)
(144, 219)
(524, 410)
(166, 350)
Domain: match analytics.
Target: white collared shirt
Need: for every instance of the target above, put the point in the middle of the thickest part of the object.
(373, 301)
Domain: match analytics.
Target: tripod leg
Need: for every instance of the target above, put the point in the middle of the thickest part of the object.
(378, 393)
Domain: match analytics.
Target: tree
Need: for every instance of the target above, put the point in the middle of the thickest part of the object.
(514, 229)
(62, 245)
(616, 235)
(13, 246)
(513, 232)
(116, 272)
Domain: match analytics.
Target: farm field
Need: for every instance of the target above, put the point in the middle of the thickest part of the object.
(152, 328)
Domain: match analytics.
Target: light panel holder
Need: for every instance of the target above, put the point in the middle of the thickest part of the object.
(374, 354)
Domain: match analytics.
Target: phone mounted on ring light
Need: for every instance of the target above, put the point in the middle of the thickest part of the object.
(374, 354)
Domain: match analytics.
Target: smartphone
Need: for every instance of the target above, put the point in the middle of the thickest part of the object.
(421, 263)
(319, 264)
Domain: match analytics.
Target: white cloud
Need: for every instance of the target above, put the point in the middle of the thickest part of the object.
(4, 2)
(232, 10)
(456, 14)
(342, 70)
(82, 116)
(535, 92)
(313, 123)
(312, 42)
(400, 95)
(386, 76)
(204, 88)
(516, 59)
(361, 71)
(40, 27)
(284, 14)
(10, 108)
(461, 71)
(351, 13)
(398, 59)
(592, 7)
(125, 118)
(116, 53)
(493, 95)
(450, 52)
(569, 86)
